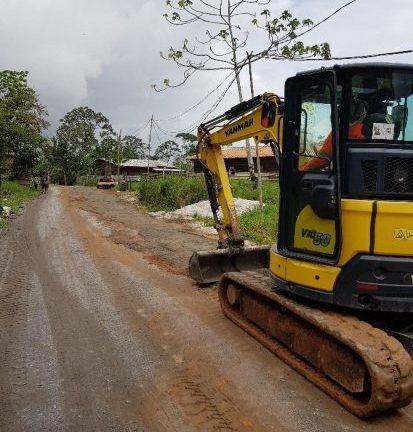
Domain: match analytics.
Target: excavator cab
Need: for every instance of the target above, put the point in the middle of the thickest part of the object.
(345, 230)
(309, 213)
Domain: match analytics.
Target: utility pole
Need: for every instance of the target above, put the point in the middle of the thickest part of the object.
(119, 144)
(149, 145)
(257, 148)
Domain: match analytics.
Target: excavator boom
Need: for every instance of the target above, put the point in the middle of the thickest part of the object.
(261, 119)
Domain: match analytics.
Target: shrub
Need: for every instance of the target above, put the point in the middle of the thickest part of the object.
(171, 192)
(260, 227)
(14, 196)
(244, 189)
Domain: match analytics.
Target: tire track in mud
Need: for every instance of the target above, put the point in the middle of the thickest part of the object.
(87, 356)
(16, 284)
(129, 346)
(312, 412)
(145, 306)
(207, 408)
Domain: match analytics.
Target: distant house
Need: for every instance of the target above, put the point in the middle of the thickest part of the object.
(236, 160)
(136, 167)
(105, 167)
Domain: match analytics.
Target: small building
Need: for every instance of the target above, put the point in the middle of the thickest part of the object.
(134, 167)
(237, 164)
(137, 167)
(105, 167)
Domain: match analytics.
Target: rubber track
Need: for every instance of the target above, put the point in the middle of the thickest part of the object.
(389, 365)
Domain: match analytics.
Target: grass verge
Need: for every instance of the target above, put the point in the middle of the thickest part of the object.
(257, 226)
(14, 196)
(171, 192)
(175, 191)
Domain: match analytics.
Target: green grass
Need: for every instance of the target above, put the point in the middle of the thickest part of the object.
(257, 226)
(171, 192)
(174, 191)
(14, 196)
(260, 226)
(90, 181)
(244, 189)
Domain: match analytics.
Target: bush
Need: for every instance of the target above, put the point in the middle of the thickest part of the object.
(244, 189)
(260, 227)
(88, 180)
(171, 192)
(14, 195)
(174, 191)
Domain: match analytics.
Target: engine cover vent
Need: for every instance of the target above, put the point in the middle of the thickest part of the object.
(398, 175)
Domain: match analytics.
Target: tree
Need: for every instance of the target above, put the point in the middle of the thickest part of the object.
(22, 120)
(64, 166)
(132, 148)
(188, 148)
(188, 143)
(168, 151)
(83, 136)
(225, 25)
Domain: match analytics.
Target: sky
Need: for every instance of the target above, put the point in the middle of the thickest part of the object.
(104, 54)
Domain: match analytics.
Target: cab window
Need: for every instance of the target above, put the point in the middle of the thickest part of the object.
(315, 131)
(381, 106)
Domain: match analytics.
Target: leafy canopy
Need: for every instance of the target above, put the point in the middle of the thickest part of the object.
(22, 121)
(227, 26)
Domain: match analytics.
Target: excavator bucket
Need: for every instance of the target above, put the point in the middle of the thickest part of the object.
(208, 267)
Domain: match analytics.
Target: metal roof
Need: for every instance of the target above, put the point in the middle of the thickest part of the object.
(143, 163)
(241, 152)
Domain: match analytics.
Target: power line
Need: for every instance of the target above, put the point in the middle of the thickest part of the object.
(156, 132)
(355, 57)
(165, 132)
(327, 18)
(214, 106)
(198, 103)
(143, 126)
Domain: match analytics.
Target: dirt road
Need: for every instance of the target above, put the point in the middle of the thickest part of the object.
(100, 330)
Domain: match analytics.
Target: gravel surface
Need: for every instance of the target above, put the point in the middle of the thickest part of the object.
(203, 208)
(100, 330)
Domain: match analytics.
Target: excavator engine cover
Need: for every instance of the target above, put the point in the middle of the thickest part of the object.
(208, 266)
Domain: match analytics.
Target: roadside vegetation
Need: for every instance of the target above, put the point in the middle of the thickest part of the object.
(171, 192)
(175, 191)
(14, 196)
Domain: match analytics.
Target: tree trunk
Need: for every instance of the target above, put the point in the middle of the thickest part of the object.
(237, 72)
(257, 144)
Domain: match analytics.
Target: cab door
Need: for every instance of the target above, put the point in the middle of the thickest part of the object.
(309, 225)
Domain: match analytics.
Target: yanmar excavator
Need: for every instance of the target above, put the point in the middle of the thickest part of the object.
(334, 297)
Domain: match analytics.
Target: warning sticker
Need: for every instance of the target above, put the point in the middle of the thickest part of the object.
(403, 234)
(383, 131)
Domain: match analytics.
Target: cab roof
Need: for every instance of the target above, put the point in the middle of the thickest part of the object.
(360, 66)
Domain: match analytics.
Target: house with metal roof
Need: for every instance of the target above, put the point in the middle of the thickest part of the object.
(136, 167)
(236, 160)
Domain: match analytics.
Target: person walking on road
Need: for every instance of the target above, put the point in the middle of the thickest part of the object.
(35, 181)
(45, 182)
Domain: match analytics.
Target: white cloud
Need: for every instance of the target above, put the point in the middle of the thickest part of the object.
(105, 53)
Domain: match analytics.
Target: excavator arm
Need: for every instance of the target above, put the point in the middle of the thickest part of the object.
(261, 119)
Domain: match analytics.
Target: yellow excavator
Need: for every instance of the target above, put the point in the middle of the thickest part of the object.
(334, 297)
